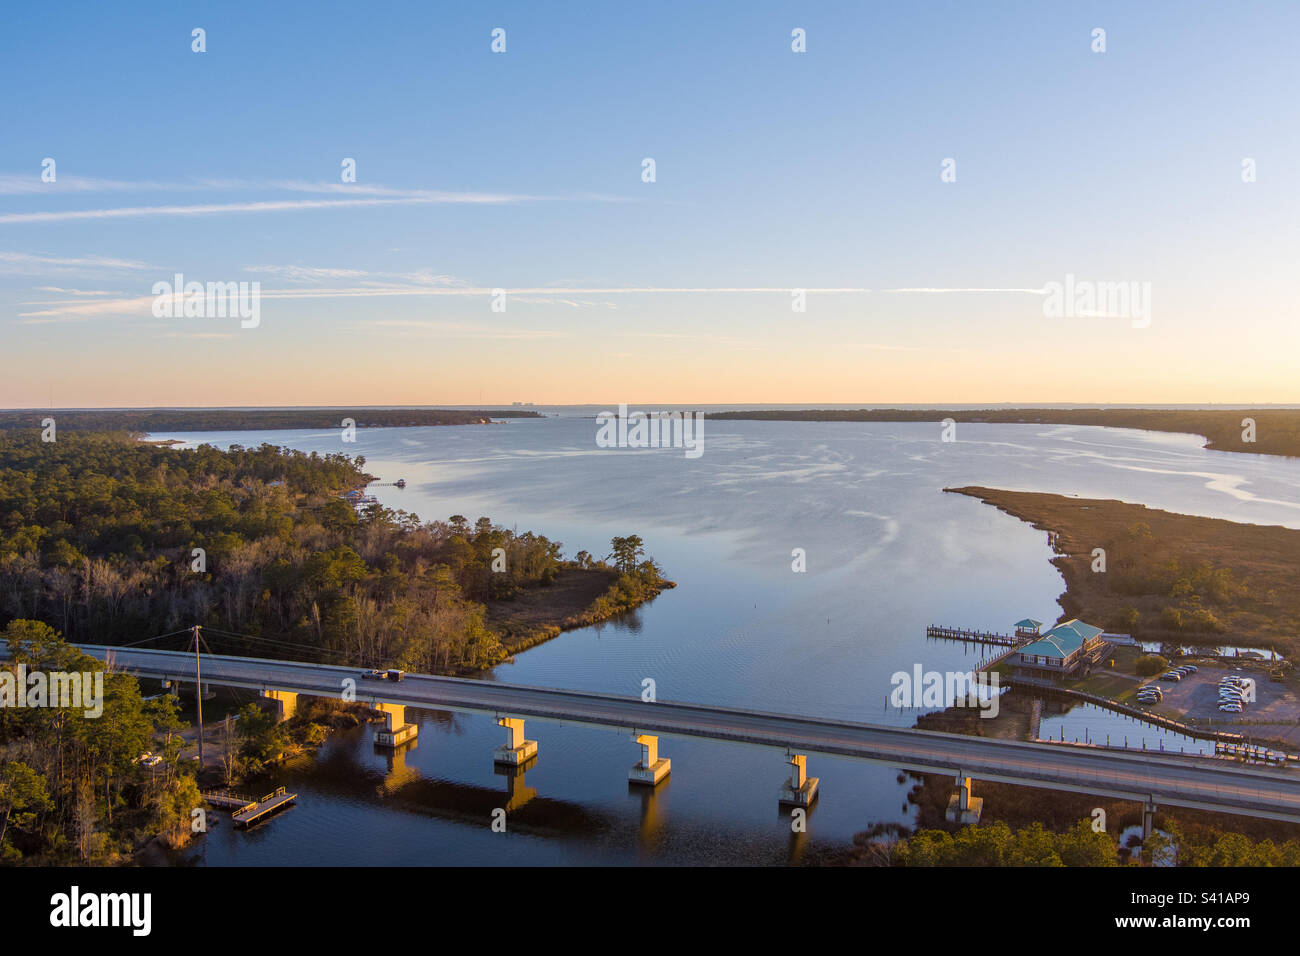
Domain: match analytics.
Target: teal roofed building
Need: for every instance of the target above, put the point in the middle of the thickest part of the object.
(1028, 627)
(1069, 649)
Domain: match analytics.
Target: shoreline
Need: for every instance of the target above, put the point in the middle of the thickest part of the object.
(1162, 576)
(1273, 431)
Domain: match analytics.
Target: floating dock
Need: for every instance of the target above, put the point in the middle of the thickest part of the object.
(244, 811)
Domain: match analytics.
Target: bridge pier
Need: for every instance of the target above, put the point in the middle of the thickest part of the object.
(396, 730)
(800, 790)
(652, 767)
(962, 807)
(1148, 820)
(285, 703)
(517, 750)
(173, 687)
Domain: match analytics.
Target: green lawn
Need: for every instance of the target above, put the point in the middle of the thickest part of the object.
(1114, 686)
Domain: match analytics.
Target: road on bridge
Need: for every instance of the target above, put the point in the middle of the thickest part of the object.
(1168, 779)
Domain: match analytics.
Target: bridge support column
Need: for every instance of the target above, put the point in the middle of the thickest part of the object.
(962, 807)
(652, 767)
(517, 750)
(800, 790)
(396, 730)
(1148, 820)
(285, 703)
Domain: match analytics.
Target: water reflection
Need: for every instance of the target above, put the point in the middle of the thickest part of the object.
(888, 552)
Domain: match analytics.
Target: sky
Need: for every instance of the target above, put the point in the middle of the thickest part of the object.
(924, 171)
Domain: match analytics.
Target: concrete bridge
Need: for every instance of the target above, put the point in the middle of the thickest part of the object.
(1192, 781)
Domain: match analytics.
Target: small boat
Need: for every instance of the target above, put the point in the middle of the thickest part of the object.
(400, 482)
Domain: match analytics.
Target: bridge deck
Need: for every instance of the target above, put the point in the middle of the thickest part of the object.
(1197, 782)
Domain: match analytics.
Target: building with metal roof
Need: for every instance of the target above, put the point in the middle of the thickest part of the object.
(1069, 648)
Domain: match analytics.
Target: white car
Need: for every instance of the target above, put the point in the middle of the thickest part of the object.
(1230, 708)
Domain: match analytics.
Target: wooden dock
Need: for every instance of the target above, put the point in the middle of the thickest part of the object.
(970, 636)
(244, 811)
(226, 800)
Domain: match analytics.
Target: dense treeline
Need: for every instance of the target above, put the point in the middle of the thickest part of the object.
(142, 420)
(996, 844)
(72, 789)
(1276, 431)
(111, 540)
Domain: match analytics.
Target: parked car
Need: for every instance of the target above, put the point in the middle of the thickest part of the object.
(1171, 676)
(1230, 708)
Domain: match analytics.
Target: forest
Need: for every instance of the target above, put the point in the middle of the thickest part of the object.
(106, 539)
(243, 419)
(111, 540)
(996, 844)
(72, 788)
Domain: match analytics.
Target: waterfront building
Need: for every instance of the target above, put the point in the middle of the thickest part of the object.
(1067, 650)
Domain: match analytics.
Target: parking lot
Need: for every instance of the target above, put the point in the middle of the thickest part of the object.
(1197, 696)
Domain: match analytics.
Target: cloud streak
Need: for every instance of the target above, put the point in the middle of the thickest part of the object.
(32, 261)
(262, 206)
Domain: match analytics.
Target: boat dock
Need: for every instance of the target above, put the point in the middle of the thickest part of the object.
(243, 811)
(970, 636)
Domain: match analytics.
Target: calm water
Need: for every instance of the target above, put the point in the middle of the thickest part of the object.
(887, 553)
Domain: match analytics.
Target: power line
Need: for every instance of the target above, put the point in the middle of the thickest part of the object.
(277, 643)
(184, 630)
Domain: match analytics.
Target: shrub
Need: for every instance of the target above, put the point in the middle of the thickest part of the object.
(1148, 665)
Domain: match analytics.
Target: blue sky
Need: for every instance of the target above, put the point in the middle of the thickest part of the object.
(774, 170)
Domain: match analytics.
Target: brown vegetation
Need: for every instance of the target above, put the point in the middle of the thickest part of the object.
(1168, 577)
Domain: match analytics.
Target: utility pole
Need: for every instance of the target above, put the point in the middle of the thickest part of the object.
(198, 694)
